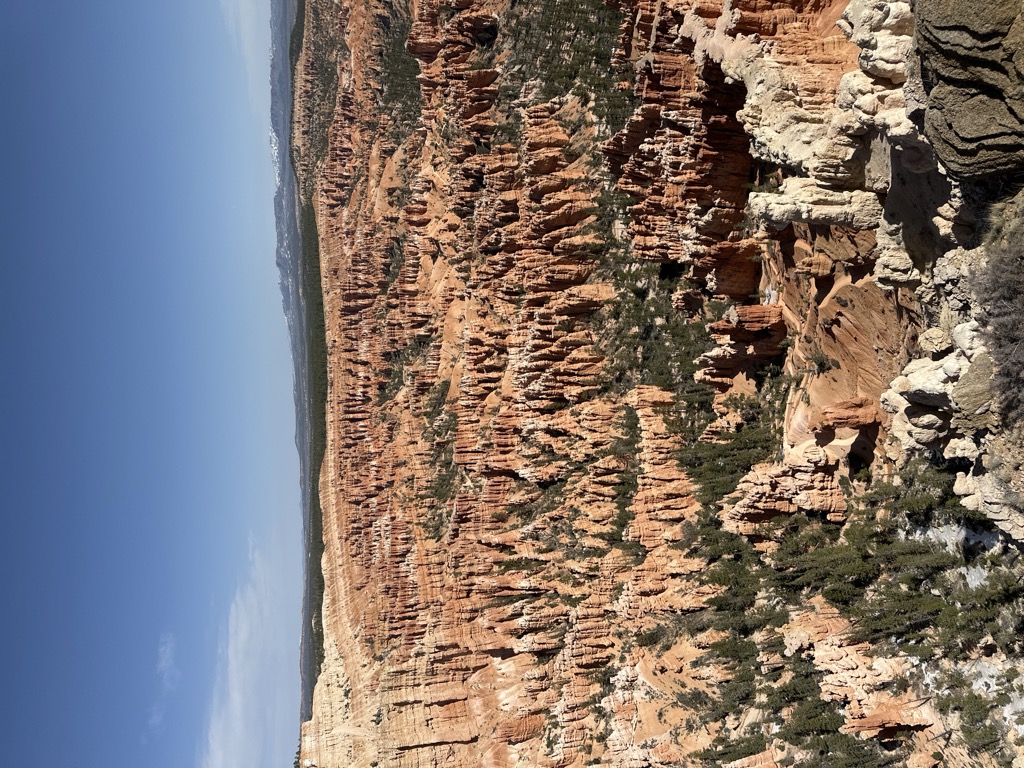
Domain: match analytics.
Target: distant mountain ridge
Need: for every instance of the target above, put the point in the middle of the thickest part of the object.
(289, 258)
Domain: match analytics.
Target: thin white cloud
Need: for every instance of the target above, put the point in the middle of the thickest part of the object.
(248, 21)
(254, 712)
(169, 676)
(166, 668)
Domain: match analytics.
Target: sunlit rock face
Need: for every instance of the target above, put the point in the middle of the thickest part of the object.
(656, 374)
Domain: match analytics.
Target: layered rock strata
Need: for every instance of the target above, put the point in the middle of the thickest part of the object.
(972, 70)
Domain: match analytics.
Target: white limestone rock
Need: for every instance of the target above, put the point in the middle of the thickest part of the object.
(884, 32)
(802, 200)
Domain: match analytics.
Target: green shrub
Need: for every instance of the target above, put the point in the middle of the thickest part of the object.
(520, 564)
(723, 751)
(718, 467)
(397, 364)
(980, 732)
(650, 637)
(840, 750)
(316, 403)
(625, 447)
(548, 498)
(400, 98)
(566, 46)
(1000, 283)
(820, 362)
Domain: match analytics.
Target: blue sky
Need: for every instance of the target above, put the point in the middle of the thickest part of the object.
(151, 554)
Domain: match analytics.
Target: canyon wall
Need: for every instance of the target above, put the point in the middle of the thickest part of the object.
(666, 425)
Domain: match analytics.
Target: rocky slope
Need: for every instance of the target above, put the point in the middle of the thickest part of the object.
(665, 423)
